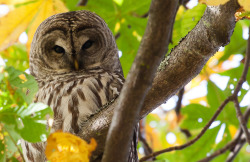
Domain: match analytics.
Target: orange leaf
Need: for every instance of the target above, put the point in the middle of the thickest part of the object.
(245, 4)
(68, 147)
(213, 2)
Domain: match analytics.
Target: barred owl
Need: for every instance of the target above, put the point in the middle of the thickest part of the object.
(74, 59)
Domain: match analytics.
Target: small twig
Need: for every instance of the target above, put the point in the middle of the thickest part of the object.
(224, 149)
(235, 145)
(11, 138)
(145, 145)
(242, 120)
(147, 148)
(82, 3)
(178, 104)
(233, 154)
(117, 35)
(237, 89)
(184, 3)
(233, 98)
(178, 108)
(140, 16)
(193, 140)
(186, 132)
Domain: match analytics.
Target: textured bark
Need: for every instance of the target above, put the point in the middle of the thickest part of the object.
(185, 62)
(139, 80)
(191, 54)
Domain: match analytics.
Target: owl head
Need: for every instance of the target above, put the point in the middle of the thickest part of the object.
(69, 42)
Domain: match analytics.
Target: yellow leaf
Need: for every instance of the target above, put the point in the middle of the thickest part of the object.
(199, 100)
(232, 130)
(213, 2)
(20, 18)
(47, 9)
(15, 22)
(12, 2)
(245, 4)
(153, 137)
(23, 78)
(62, 147)
(117, 27)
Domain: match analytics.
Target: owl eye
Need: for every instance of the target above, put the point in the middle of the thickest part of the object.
(87, 45)
(58, 49)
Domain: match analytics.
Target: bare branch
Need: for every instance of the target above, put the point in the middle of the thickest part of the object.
(82, 3)
(188, 58)
(223, 150)
(139, 79)
(236, 144)
(237, 89)
(147, 148)
(242, 120)
(193, 140)
(235, 150)
(178, 105)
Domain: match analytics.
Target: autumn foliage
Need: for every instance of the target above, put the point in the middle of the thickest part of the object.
(127, 19)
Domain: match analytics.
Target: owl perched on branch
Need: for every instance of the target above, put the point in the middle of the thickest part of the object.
(74, 59)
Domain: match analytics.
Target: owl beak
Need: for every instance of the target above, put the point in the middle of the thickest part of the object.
(76, 64)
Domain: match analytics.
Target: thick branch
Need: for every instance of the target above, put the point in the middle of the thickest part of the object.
(139, 79)
(186, 60)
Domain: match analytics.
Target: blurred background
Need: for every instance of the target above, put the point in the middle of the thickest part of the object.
(175, 122)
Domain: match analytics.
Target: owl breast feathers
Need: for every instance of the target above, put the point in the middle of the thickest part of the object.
(77, 97)
(74, 59)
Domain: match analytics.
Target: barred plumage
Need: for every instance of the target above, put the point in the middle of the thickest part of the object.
(75, 61)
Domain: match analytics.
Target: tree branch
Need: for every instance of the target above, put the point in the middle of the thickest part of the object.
(178, 104)
(242, 120)
(193, 140)
(139, 79)
(186, 60)
(237, 140)
(237, 89)
(235, 150)
(146, 147)
(224, 149)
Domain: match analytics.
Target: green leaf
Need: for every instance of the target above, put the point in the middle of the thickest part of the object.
(28, 122)
(215, 95)
(132, 25)
(185, 22)
(193, 113)
(196, 151)
(16, 56)
(237, 43)
(25, 88)
(215, 98)
(1, 76)
(71, 4)
(235, 74)
(2, 149)
(119, 2)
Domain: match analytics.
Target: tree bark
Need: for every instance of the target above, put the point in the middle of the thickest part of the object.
(139, 80)
(184, 62)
